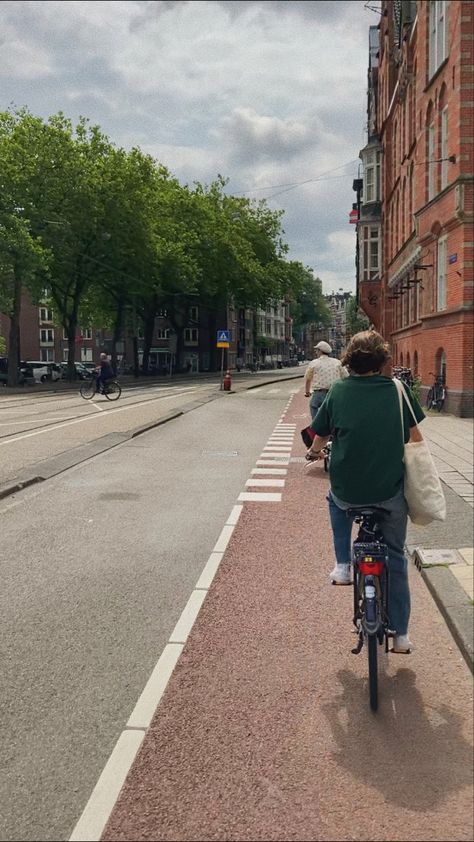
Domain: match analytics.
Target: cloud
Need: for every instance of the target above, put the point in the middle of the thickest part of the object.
(267, 93)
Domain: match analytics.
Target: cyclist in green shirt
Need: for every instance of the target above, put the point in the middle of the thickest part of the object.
(362, 413)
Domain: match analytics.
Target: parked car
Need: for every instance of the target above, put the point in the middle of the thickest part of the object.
(25, 373)
(43, 371)
(82, 371)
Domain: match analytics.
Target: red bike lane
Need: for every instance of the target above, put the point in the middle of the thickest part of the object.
(264, 731)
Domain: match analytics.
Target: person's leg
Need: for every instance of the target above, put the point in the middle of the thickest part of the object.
(314, 404)
(394, 528)
(341, 529)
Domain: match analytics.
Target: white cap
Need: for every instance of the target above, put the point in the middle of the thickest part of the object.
(324, 347)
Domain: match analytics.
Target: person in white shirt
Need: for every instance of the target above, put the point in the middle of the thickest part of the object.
(324, 370)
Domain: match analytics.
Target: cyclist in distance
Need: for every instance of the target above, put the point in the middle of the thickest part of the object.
(104, 373)
(362, 413)
(321, 373)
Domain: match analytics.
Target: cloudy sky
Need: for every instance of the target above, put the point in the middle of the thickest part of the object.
(268, 94)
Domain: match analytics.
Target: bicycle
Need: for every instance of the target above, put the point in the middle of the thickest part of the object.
(112, 390)
(437, 393)
(371, 589)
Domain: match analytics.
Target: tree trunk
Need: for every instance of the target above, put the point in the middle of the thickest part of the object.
(14, 338)
(148, 330)
(117, 334)
(71, 344)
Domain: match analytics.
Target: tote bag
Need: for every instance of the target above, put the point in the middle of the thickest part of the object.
(423, 491)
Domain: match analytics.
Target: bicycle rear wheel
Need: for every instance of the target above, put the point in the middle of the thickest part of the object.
(429, 398)
(88, 389)
(373, 675)
(113, 391)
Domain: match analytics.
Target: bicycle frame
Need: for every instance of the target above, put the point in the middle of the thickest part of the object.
(371, 580)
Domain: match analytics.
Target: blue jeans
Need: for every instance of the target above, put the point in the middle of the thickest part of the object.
(393, 526)
(317, 398)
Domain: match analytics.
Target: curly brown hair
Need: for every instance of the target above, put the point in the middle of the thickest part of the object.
(367, 351)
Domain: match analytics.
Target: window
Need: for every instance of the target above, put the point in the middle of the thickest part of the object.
(437, 35)
(65, 354)
(191, 335)
(47, 355)
(162, 333)
(194, 314)
(268, 327)
(444, 148)
(64, 333)
(431, 164)
(370, 252)
(86, 355)
(372, 178)
(162, 313)
(441, 273)
(86, 333)
(415, 363)
(46, 315)
(46, 335)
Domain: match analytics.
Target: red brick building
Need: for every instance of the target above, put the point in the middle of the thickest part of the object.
(415, 230)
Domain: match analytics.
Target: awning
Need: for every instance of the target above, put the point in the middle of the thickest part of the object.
(405, 268)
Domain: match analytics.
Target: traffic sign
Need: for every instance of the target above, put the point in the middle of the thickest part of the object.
(222, 344)
(223, 335)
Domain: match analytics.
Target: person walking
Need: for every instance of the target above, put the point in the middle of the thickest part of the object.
(362, 414)
(321, 373)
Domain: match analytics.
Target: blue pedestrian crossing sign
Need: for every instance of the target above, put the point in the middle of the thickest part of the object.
(223, 335)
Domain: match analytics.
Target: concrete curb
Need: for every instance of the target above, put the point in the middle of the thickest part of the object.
(455, 606)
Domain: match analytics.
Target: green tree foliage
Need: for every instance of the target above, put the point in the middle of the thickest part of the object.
(356, 318)
(308, 305)
(114, 238)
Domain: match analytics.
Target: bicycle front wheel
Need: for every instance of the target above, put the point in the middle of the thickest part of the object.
(88, 389)
(113, 391)
(373, 676)
(429, 398)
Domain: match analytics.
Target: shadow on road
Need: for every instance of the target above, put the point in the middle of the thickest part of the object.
(413, 752)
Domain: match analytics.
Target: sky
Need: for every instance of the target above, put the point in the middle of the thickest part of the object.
(267, 94)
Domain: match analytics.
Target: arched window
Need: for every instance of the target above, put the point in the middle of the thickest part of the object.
(430, 152)
(401, 358)
(408, 359)
(415, 363)
(443, 135)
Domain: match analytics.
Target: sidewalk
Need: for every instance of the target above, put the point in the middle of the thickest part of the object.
(264, 730)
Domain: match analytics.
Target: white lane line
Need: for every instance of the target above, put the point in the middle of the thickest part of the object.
(224, 538)
(273, 391)
(270, 483)
(277, 448)
(272, 461)
(272, 453)
(98, 406)
(185, 623)
(270, 471)
(107, 789)
(260, 497)
(281, 439)
(150, 698)
(234, 515)
(210, 570)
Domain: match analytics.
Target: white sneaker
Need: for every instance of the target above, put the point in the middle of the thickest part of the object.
(341, 575)
(402, 644)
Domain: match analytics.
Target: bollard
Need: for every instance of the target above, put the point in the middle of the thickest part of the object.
(227, 381)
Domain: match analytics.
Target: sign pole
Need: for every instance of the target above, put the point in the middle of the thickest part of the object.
(222, 370)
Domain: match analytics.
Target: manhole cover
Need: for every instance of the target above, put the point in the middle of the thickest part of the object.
(430, 558)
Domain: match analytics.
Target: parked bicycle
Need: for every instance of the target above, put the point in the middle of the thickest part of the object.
(437, 393)
(371, 587)
(404, 374)
(112, 390)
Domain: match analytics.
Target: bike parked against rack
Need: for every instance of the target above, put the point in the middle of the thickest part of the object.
(437, 393)
(371, 588)
(112, 390)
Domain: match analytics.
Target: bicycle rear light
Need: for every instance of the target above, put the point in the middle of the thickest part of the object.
(370, 566)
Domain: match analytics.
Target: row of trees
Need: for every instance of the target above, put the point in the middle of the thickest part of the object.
(103, 232)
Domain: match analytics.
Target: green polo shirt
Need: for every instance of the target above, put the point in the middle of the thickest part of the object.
(363, 415)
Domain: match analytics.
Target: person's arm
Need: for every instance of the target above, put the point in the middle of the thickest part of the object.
(317, 445)
(415, 434)
(307, 381)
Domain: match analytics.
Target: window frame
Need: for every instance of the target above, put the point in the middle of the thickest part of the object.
(437, 31)
(47, 336)
(441, 277)
(431, 162)
(444, 128)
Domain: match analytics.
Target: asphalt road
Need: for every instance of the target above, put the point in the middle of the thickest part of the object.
(35, 426)
(97, 565)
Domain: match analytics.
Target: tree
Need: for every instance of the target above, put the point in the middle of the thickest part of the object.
(356, 319)
(309, 305)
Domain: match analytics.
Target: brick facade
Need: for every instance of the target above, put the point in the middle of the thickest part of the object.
(423, 296)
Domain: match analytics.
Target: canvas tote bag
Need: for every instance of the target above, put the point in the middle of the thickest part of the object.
(423, 491)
